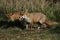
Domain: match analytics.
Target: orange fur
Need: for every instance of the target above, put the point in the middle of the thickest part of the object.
(13, 15)
(35, 17)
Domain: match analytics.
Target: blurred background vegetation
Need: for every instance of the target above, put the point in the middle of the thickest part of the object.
(51, 8)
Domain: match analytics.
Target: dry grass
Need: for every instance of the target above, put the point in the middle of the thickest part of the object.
(51, 10)
(18, 34)
(47, 7)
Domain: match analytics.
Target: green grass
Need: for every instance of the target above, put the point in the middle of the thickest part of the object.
(48, 8)
(15, 33)
(51, 10)
(18, 34)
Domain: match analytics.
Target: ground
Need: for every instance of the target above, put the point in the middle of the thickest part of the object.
(18, 34)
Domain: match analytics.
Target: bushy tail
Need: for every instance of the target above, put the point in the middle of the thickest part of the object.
(50, 22)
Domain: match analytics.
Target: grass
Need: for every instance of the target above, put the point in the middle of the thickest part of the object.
(18, 34)
(51, 10)
(15, 33)
(48, 8)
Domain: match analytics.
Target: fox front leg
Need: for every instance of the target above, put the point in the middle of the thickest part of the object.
(30, 26)
(27, 27)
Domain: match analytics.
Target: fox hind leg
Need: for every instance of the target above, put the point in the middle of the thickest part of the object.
(27, 26)
(39, 25)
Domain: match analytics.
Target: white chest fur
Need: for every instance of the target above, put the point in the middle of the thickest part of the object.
(27, 19)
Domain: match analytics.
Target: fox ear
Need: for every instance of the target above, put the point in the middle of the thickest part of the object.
(22, 12)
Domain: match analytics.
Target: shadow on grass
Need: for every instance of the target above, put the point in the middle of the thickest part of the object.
(5, 24)
(54, 28)
(16, 23)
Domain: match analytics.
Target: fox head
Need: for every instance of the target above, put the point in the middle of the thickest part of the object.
(22, 16)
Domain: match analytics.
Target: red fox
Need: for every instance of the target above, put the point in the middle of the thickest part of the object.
(35, 17)
(30, 18)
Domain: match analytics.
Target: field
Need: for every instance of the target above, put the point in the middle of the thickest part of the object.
(18, 34)
(51, 8)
